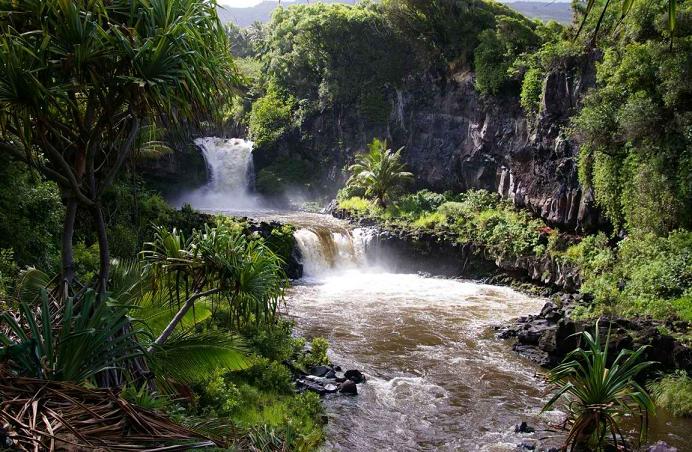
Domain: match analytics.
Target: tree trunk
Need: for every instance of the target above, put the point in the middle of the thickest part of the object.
(68, 272)
(104, 252)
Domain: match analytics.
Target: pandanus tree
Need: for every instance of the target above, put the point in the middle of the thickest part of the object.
(379, 172)
(600, 394)
(81, 82)
(220, 265)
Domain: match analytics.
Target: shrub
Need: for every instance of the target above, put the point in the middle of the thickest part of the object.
(217, 395)
(674, 393)
(281, 241)
(274, 342)
(8, 272)
(356, 204)
(31, 213)
(498, 49)
(599, 396)
(420, 202)
(490, 63)
(317, 355)
(645, 274)
(430, 220)
(531, 90)
(86, 261)
(268, 375)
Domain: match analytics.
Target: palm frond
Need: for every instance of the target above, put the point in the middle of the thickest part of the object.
(189, 357)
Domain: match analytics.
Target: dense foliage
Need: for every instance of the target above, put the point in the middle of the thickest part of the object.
(635, 126)
(474, 217)
(83, 84)
(642, 274)
(674, 393)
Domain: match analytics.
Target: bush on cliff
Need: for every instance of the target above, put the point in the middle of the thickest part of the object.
(634, 127)
(643, 275)
(497, 50)
(271, 117)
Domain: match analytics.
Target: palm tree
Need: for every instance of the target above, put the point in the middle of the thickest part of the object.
(80, 80)
(379, 172)
(599, 396)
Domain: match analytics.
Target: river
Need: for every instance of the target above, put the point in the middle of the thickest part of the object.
(437, 376)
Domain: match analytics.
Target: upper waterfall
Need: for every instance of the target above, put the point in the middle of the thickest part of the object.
(230, 164)
(230, 176)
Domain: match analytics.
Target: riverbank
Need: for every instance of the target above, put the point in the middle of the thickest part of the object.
(563, 267)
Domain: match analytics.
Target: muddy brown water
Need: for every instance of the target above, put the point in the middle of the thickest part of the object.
(438, 379)
(437, 376)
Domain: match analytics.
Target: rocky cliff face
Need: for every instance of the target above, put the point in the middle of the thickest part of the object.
(456, 139)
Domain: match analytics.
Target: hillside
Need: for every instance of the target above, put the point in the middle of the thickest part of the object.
(244, 17)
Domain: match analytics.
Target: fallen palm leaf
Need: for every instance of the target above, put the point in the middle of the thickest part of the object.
(50, 415)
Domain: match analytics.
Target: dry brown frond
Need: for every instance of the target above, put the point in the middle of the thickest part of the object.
(42, 415)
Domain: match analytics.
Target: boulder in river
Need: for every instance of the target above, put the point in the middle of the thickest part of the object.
(307, 385)
(355, 376)
(523, 428)
(348, 387)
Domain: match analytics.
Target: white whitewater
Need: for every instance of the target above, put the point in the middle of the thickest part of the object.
(326, 250)
(231, 176)
(230, 164)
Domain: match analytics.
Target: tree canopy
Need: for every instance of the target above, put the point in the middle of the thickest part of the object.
(83, 83)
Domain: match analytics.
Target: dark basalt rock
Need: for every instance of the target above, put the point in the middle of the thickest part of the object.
(548, 337)
(354, 375)
(308, 385)
(320, 371)
(528, 444)
(457, 139)
(348, 387)
(523, 428)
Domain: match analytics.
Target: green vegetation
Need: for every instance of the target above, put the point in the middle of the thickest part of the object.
(674, 393)
(379, 173)
(635, 127)
(83, 85)
(643, 274)
(188, 327)
(476, 216)
(599, 397)
(497, 50)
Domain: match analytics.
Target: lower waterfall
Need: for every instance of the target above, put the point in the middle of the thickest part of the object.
(326, 250)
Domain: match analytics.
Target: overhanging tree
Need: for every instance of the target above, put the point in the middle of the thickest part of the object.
(81, 81)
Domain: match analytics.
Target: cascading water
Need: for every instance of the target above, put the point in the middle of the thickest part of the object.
(325, 250)
(230, 164)
(231, 176)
